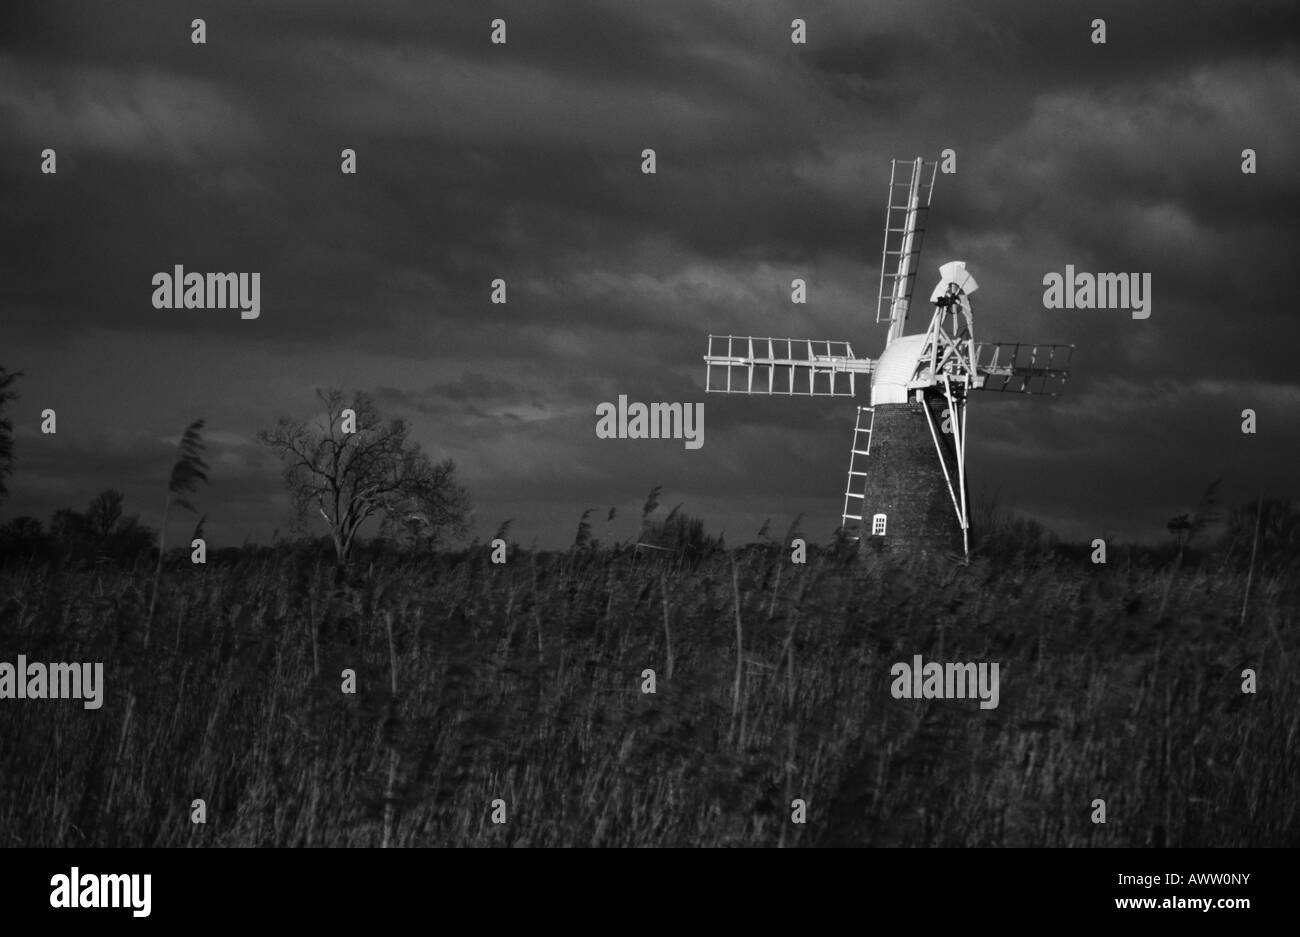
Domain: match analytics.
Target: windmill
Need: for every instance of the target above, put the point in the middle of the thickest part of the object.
(907, 463)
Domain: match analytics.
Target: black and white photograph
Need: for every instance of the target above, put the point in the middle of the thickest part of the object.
(699, 424)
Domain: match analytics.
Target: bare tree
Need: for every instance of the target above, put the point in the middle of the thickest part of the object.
(374, 471)
(104, 513)
(102, 530)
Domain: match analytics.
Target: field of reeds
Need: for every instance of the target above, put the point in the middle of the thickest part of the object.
(523, 683)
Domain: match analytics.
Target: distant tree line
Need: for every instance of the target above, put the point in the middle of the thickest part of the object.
(101, 531)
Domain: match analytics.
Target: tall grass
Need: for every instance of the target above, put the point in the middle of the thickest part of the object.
(778, 688)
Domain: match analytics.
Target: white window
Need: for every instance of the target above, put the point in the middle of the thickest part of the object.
(878, 525)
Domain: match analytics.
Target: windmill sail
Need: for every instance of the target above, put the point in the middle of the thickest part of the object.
(1015, 367)
(911, 183)
(747, 364)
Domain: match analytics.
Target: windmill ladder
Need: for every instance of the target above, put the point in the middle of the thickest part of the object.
(856, 487)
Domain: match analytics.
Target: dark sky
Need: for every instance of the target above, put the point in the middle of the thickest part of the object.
(522, 162)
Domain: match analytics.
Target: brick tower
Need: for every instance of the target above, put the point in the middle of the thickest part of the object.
(906, 503)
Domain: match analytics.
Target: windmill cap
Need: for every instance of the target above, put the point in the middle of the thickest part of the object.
(954, 273)
(896, 368)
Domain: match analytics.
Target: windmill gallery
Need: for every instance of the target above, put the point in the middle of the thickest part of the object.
(901, 491)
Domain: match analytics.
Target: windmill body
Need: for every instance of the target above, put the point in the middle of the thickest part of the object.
(907, 482)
